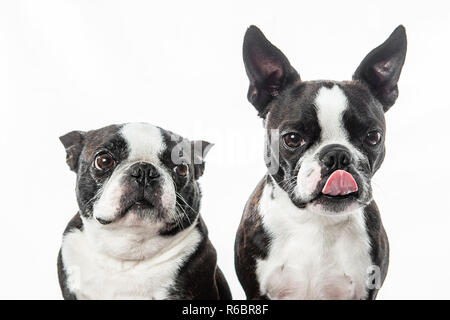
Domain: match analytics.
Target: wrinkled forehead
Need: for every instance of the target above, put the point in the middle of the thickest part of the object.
(323, 106)
(104, 138)
(133, 141)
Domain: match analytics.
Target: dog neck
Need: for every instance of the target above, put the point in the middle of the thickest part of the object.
(136, 243)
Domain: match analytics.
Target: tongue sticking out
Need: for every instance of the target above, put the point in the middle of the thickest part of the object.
(340, 183)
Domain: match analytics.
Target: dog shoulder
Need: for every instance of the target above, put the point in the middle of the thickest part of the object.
(252, 243)
(197, 276)
(74, 224)
(379, 245)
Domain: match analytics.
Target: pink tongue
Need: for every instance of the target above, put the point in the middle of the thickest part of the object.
(340, 183)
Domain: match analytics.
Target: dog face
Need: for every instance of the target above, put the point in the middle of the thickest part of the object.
(135, 174)
(324, 139)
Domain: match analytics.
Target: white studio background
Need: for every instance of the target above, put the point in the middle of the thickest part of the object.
(68, 65)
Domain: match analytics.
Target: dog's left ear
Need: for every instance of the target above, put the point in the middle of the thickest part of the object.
(73, 142)
(381, 68)
(201, 149)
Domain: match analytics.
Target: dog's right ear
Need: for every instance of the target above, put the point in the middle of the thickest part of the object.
(73, 142)
(268, 70)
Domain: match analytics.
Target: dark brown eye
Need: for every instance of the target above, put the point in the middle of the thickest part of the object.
(104, 161)
(182, 170)
(373, 138)
(293, 140)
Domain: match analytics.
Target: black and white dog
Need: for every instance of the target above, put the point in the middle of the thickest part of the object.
(138, 233)
(311, 229)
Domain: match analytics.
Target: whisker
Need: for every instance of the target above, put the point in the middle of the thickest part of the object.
(185, 213)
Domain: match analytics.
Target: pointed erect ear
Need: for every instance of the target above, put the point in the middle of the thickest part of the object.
(201, 149)
(73, 142)
(381, 68)
(268, 70)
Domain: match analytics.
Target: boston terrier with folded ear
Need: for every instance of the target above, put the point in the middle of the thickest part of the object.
(138, 233)
(311, 229)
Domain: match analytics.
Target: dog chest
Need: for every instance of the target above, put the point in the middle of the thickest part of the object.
(313, 257)
(94, 275)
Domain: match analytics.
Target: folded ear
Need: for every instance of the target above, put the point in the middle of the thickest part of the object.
(268, 70)
(381, 68)
(201, 149)
(73, 142)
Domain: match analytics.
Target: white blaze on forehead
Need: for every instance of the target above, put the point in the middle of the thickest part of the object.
(331, 104)
(145, 142)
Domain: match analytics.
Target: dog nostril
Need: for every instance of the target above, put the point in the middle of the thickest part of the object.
(330, 161)
(144, 173)
(153, 174)
(345, 160)
(136, 173)
(336, 159)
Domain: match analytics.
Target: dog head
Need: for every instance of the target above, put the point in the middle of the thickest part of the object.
(136, 173)
(324, 139)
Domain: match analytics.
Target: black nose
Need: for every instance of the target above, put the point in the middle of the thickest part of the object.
(144, 172)
(335, 157)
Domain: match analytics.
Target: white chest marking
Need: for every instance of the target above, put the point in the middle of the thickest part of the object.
(92, 274)
(312, 256)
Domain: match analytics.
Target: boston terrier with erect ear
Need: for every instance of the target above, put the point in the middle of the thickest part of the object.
(138, 233)
(311, 229)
